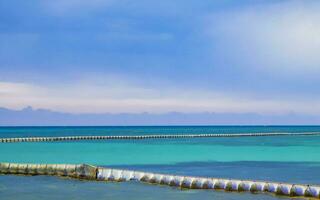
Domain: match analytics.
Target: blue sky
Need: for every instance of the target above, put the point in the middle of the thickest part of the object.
(160, 56)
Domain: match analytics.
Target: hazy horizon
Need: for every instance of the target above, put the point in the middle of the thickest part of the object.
(43, 117)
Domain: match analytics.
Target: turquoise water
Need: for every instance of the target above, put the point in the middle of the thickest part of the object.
(284, 158)
(306, 149)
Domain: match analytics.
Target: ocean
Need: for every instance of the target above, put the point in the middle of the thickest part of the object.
(293, 159)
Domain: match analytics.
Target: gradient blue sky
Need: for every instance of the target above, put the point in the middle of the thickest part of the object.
(97, 56)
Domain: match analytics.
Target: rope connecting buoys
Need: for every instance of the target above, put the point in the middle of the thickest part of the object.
(106, 174)
(141, 137)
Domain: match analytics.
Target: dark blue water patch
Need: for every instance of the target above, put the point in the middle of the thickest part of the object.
(290, 172)
(52, 188)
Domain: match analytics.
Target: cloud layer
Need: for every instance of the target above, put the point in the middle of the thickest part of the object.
(282, 37)
(120, 97)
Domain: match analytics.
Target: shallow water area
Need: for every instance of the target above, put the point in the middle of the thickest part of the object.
(43, 187)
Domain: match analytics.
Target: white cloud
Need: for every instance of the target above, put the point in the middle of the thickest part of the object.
(129, 97)
(281, 36)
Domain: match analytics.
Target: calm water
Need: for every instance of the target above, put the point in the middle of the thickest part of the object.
(285, 159)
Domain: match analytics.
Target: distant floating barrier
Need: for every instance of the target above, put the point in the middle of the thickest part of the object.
(90, 172)
(143, 137)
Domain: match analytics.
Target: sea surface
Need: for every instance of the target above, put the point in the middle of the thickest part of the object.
(293, 159)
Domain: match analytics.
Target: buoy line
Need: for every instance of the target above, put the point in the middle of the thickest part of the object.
(90, 172)
(141, 137)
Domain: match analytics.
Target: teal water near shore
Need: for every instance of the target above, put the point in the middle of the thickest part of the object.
(163, 151)
(282, 158)
(306, 149)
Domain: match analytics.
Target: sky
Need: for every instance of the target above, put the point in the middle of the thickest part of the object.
(136, 56)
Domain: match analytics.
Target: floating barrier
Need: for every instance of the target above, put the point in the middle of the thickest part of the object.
(90, 172)
(74, 171)
(142, 137)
